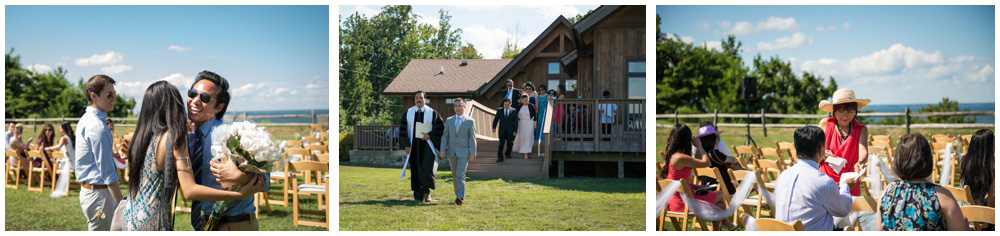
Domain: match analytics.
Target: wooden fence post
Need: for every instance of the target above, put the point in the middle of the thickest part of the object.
(313, 116)
(715, 121)
(676, 121)
(907, 118)
(763, 123)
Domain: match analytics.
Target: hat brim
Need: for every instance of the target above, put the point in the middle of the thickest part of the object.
(710, 133)
(828, 107)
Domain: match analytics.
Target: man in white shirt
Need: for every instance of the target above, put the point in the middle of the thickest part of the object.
(805, 194)
(608, 113)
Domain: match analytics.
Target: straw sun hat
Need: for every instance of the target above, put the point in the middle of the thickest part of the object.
(842, 96)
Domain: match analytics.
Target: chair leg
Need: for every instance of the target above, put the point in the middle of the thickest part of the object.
(295, 209)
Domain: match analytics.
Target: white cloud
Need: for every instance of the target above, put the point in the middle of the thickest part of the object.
(490, 41)
(553, 11)
(778, 23)
(433, 21)
(985, 74)
(705, 25)
(115, 69)
(900, 69)
(247, 89)
(771, 23)
(367, 11)
(796, 40)
(712, 45)
(111, 57)
(685, 39)
(178, 48)
(827, 28)
(39, 68)
(847, 26)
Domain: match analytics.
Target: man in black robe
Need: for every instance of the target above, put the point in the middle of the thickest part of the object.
(419, 145)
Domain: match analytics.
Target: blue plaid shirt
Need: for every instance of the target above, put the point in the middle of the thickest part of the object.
(206, 178)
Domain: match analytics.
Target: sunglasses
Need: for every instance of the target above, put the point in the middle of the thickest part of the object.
(205, 98)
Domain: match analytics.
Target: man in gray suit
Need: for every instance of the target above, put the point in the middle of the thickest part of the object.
(458, 144)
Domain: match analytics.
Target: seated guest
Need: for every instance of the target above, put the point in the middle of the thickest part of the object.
(16, 145)
(977, 167)
(913, 203)
(679, 164)
(711, 141)
(805, 194)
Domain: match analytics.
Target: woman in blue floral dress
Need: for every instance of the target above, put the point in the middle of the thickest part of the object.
(913, 203)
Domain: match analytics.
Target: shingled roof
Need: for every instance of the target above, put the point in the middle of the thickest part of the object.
(426, 75)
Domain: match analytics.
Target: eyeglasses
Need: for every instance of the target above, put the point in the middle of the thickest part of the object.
(205, 98)
(846, 111)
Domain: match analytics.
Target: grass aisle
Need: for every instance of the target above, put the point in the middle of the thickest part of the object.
(25, 210)
(374, 198)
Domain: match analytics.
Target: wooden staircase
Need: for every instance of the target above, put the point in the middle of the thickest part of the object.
(485, 165)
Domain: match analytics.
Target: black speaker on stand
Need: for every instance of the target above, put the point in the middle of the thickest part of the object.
(749, 91)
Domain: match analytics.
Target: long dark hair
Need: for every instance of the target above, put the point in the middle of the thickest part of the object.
(46, 140)
(679, 140)
(66, 127)
(977, 165)
(162, 110)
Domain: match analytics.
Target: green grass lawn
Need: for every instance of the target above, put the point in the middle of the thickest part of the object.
(375, 198)
(25, 210)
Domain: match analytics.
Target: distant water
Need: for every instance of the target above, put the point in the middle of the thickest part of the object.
(916, 108)
(281, 112)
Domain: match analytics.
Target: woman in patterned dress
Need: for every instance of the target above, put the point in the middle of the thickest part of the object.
(913, 203)
(162, 127)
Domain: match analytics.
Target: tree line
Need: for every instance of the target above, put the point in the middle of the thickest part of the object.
(30, 94)
(696, 79)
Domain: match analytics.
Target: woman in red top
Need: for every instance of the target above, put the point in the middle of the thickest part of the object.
(679, 165)
(845, 137)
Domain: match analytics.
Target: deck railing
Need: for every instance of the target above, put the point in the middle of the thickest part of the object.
(376, 137)
(599, 120)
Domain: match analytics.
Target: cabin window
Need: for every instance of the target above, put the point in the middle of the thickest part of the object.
(449, 101)
(636, 75)
(553, 68)
(571, 85)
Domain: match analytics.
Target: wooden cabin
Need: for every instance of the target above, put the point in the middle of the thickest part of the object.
(604, 51)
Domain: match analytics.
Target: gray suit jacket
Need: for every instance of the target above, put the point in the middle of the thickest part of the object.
(459, 142)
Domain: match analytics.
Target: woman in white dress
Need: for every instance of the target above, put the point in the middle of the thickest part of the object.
(525, 127)
(64, 165)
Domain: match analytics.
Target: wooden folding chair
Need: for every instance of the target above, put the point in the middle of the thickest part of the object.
(45, 168)
(777, 225)
(289, 155)
(13, 177)
(962, 194)
(317, 149)
(966, 141)
(938, 149)
(323, 135)
(770, 169)
(760, 196)
(942, 138)
(744, 154)
(869, 204)
(683, 217)
(778, 157)
(316, 128)
(884, 138)
(293, 144)
(788, 148)
(320, 190)
(59, 157)
(752, 200)
(308, 141)
(660, 184)
(979, 216)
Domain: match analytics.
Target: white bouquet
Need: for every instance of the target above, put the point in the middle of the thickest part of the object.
(253, 151)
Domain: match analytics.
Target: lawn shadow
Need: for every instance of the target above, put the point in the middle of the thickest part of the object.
(586, 184)
(389, 203)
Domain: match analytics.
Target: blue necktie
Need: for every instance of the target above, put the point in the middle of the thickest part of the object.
(196, 154)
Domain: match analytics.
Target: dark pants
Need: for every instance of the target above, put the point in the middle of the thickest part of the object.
(606, 130)
(506, 138)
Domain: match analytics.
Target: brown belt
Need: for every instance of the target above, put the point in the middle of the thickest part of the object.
(88, 186)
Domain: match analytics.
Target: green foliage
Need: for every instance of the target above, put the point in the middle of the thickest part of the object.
(346, 145)
(374, 50)
(511, 48)
(694, 79)
(469, 52)
(578, 17)
(658, 32)
(50, 94)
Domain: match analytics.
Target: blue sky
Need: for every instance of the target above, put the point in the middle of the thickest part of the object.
(487, 27)
(274, 57)
(890, 54)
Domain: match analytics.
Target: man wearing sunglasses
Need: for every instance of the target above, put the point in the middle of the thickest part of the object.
(95, 166)
(511, 93)
(207, 101)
